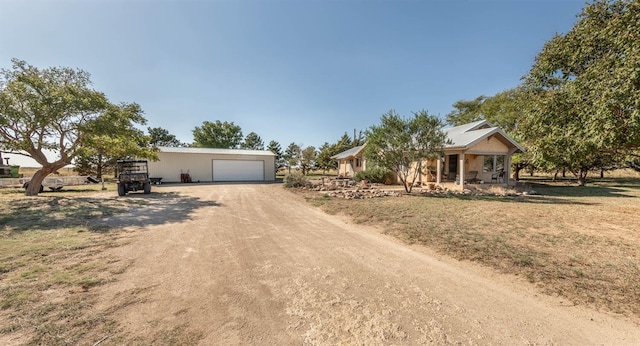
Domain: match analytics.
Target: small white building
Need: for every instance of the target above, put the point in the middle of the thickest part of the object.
(211, 165)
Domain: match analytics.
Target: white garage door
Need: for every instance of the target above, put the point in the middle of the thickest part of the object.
(237, 170)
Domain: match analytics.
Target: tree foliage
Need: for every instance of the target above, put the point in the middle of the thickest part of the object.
(402, 145)
(55, 109)
(291, 156)
(162, 138)
(324, 160)
(466, 111)
(307, 160)
(275, 148)
(253, 141)
(217, 134)
(504, 110)
(584, 91)
(114, 137)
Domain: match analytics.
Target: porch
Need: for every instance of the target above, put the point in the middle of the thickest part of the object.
(458, 169)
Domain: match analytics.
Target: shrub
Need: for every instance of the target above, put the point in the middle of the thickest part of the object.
(296, 179)
(375, 175)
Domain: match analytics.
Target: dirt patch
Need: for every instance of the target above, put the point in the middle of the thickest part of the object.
(254, 264)
(264, 268)
(54, 255)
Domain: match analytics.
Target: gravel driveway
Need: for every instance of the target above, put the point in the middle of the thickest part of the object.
(254, 264)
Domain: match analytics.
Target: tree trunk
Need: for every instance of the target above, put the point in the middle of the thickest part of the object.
(36, 181)
(407, 187)
(601, 173)
(582, 177)
(555, 175)
(99, 167)
(516, 173)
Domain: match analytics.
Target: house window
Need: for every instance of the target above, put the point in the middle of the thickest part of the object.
(357, 162)
(499, 163)
(488, 163)
(493, 163)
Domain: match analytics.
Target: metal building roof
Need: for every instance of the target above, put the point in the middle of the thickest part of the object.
(218, 151)
(348, 153)
(464, 136)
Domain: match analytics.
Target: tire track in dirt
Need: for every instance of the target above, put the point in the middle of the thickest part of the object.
(262, 267)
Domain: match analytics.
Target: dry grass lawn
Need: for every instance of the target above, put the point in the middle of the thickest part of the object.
(52, 259)
(582, 243)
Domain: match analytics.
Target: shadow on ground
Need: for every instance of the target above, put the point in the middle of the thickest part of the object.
(536, 199)
(98, 213)
(614, 189)
(559, 193)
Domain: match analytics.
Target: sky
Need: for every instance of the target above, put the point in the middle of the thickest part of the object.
(304, 71)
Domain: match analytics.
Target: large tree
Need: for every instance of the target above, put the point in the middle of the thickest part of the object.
(253, 141)
(466, 111)
(162, 138)
(291, 155)
(324, 160)
(114, 137)
(51, 109)
(402, 145)
(584, 91)
(275, 148)
(503, 109)
(217, 134)
(307, 159)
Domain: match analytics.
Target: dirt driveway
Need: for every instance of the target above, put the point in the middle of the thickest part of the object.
(254, 264)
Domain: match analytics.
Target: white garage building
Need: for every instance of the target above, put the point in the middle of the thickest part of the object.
(209, 165)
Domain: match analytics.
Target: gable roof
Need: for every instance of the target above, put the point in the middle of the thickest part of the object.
(464, 136)
(215, 151)
(348, 153)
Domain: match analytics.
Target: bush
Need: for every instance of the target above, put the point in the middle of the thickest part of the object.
(296, 179)
(375, 175)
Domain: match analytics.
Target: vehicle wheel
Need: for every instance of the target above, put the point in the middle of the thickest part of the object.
(121, 191)
(147, 188)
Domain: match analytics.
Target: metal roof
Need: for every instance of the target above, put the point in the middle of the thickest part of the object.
(464, 136)
(348, 153)
(217, 151)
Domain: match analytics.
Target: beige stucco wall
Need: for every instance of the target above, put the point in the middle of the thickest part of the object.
(347, 170)
(493, 145)
(475, 163)
(199, 166)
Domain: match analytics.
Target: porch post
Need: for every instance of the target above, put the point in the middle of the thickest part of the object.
(439, 171)
(462, 171)
(507, 168)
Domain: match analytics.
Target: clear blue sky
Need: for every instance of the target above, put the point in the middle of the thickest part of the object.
(291, 71)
